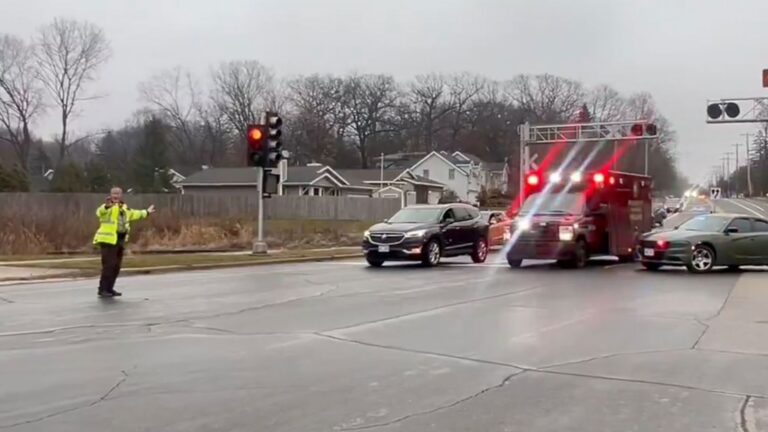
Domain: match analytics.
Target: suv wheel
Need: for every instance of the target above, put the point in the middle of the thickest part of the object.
(374, 262)
(432, 253)
(480, 251)
(702, 259)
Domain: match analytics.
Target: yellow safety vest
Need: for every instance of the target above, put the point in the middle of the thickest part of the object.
(108, 219)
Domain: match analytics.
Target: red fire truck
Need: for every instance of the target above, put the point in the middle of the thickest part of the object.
(572, 216)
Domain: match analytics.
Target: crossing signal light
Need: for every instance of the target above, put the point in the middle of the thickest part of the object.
(715, 111)
(255, 136)
(643, 130)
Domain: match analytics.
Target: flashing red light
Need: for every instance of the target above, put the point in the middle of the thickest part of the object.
(532, 180)
(611, 180)
(598, 177)
(636, 130)
(254, 136)
(662, 244)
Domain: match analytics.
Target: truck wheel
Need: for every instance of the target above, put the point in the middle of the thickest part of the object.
(580, 257)
(514, 263)
(702, 259)
(374, 262)
(431, 253)
(480, 251)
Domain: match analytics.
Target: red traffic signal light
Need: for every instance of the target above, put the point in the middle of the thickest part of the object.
(255, 136)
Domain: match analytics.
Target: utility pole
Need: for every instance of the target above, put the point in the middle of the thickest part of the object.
(727, 171)
(736, 169)
(749, 165)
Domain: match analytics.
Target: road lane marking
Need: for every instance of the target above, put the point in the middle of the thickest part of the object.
(753, 205)
(745, 208)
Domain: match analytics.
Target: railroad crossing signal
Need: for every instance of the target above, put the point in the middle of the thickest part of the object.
(738, 110)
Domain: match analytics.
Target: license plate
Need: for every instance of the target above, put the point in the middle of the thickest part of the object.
(649, 252)
(384, 248)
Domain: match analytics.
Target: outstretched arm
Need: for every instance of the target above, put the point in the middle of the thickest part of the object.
(134, 215)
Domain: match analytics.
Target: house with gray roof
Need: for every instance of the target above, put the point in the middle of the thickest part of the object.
(320, 180)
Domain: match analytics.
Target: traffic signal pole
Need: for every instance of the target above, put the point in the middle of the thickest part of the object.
(259, 245)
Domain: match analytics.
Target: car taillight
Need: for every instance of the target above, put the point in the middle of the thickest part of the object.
(662, 244)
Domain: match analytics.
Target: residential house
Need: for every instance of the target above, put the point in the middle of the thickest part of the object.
(222, 181)
(320, 180)
(395, 183)
(463, 173)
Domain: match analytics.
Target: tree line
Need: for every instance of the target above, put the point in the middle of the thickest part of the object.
(736, 181)
(189, 121)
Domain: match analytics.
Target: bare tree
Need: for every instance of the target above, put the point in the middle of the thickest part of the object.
(174, 95)
(547, 98)
(241, 90)
(317, 102)
(463, 89)
(370, 101)
(20, 95)
(606, 104)
(69, 53)
(429, 96)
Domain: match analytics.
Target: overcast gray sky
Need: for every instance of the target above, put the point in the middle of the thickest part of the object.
(682, 51)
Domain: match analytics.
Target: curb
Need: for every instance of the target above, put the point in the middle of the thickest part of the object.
(59, 277)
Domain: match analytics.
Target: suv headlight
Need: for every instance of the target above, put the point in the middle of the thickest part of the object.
(367, 235)
(416, 233)
(566, 233)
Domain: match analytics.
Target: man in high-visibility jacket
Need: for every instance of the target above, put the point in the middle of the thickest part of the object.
(115, 224)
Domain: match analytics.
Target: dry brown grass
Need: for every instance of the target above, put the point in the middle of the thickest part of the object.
(46, 232)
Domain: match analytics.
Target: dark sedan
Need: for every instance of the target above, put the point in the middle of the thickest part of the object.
(708, 241)
(427, 233)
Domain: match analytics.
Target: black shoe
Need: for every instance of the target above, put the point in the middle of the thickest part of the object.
(115, 293)
(105, 294)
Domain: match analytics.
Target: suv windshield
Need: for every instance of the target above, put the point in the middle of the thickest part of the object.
(416, 215)
(558, 203)
(705, 223)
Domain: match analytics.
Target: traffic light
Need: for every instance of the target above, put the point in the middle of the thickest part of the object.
(644, 130)
(256, 138)
(273, 151)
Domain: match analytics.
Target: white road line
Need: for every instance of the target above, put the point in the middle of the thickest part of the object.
(754, 206)
(746, 208)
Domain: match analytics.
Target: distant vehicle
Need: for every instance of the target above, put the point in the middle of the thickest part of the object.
(659, 215)
(595, 213)
(427, 233)
(498, 231)
(673, 205)
(708, 241)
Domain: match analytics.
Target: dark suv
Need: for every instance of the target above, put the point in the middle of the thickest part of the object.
(426, 233)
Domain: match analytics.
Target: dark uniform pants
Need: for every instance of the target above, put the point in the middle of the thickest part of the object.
(111, 260)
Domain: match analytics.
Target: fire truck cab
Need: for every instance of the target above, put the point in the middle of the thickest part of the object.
(570, 217)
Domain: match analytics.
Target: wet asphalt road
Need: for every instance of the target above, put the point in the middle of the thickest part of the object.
(338, 346)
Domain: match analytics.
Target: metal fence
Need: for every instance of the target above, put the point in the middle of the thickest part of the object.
(226, 206)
